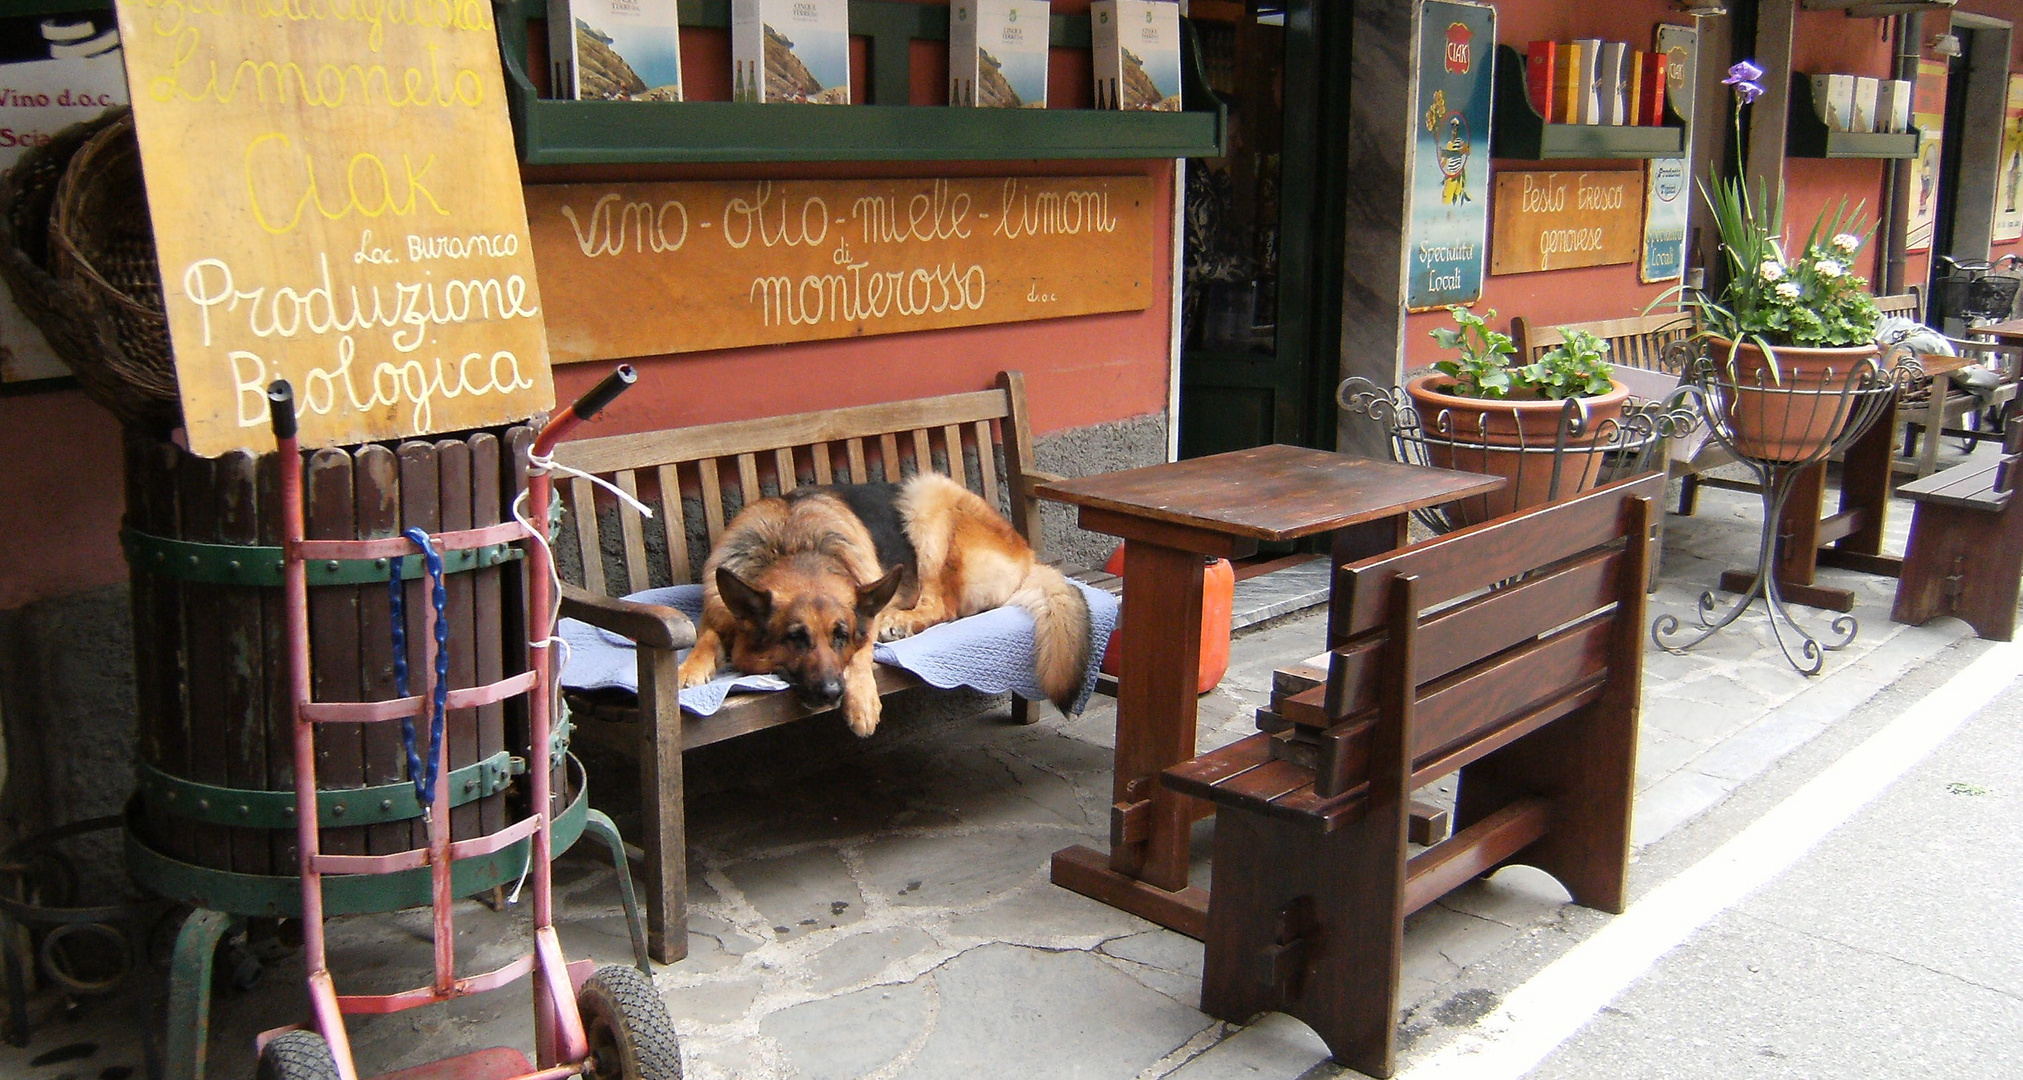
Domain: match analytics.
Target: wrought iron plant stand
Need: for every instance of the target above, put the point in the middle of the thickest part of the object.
(1840, 409)
(1580, 454)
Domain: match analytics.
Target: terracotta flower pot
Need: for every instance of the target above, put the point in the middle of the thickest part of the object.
(1514, 440)
(1794, 414)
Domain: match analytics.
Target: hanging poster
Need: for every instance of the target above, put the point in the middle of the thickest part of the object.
(1665, 202)
(1449, 189)
(1928, 115)
(1668, 195)
(2009, 185)
(54, 72)
(336, 201)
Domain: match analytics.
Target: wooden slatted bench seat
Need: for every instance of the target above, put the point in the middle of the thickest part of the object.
(1965, 555)
(981, 440)
(1510, 652)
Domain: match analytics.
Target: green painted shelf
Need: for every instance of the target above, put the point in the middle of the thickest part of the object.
(1808, 136)
(553, 132)
(560, 132)
(1520, 133)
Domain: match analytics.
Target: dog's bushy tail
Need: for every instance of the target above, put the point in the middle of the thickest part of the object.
(1060, 632)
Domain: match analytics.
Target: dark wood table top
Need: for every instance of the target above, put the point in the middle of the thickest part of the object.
(2008, 331)
(1270, 492)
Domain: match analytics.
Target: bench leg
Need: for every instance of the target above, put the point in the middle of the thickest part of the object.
(1311, 925)
(1965, 563)
(1586, 765)
(1689, 494)
(1022, 711)
(660, 806)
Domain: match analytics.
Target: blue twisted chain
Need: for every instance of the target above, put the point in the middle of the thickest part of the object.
(424, 776)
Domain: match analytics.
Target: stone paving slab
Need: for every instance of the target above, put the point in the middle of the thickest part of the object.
(882, 909)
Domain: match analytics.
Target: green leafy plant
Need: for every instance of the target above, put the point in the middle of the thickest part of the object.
(1577, 367)
(1483, 368)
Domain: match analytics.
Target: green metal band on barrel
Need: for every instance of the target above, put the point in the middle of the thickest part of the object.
(260, 565)
(343, 894)
(335, 807)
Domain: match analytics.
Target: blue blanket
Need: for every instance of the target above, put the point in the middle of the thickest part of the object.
(991, 651)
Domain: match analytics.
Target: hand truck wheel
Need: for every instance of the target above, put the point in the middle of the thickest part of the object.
(631, 1036)
(297, 1055)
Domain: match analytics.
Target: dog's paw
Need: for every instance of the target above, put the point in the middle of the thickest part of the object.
(894, 632)
(862, 716)
(694, 675)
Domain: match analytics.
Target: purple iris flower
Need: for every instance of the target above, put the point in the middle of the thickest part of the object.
(1743, 78)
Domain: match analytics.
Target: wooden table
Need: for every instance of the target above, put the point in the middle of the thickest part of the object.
(1172, 517)
(2010, 332)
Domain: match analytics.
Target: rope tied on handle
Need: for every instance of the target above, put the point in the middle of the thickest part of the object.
(424, 776)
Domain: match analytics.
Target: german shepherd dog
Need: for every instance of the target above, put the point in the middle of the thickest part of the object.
(801, 585)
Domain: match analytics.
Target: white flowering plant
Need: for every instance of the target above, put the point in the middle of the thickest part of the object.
(1810, 299)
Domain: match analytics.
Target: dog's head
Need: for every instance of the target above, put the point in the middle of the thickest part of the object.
(803, 624)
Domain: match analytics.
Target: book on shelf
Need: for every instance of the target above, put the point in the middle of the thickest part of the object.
(1542, 78)
(1609, 83)
(1656, 76)
(1833, 99)
(1137, 54)
(1863, 116)
(1633, 86)
(1587, 96)
(997, 53)
(1566, 78)
(790, 50)
(1893, 106)
(614, 50)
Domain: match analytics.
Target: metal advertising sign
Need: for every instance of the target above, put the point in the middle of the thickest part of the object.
(1448, 221)
(1668, 189)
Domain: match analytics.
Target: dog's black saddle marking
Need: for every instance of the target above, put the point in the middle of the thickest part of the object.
(877, 506)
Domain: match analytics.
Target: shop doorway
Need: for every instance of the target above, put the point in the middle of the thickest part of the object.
(1261, 286)
(1977, 76)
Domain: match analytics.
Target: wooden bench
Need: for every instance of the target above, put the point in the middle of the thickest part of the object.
(1511, 652)
(1965, 555)
(981, 439)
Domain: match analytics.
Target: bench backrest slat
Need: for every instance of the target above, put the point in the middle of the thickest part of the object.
(632, 530)
(1481, 627)
(1638, 341)
(1452, 566)
(676, 521)
(731, 465)
(1907, 305)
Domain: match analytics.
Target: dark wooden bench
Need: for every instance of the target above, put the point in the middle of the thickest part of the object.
(980, 439)
(1510, 652)
(1965, 555)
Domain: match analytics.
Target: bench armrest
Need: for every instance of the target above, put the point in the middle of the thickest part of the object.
(655, 626)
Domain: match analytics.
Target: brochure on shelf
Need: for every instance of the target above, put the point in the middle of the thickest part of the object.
(791, 51)
(997, 53)
(615, 50)
(1137, 54)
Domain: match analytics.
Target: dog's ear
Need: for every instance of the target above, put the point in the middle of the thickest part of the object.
(872, 598)
(753, 605)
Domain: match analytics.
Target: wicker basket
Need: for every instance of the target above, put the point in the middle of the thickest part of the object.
(100, 239)
(67, 294)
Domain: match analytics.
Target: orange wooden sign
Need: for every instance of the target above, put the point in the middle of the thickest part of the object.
(336, 201)
(1557, 220)
(642, 269)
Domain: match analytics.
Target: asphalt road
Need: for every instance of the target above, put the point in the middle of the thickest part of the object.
(1859, 914)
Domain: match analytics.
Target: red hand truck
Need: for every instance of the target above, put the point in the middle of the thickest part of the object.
(607, 1023)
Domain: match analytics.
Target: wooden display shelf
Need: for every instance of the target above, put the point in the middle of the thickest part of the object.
(1808, 136)
(561, 132)
(1519, 132)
